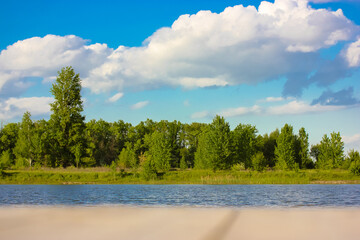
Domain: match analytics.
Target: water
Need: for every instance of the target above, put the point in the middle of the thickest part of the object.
(183, 195)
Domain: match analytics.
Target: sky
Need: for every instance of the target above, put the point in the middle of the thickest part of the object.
(262, 63)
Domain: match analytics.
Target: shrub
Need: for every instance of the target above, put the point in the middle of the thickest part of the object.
(258, 162)
(238, 167)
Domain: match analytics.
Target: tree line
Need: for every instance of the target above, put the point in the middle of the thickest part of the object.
(154, 147)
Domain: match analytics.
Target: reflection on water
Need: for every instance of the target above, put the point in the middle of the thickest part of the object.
(183, 195)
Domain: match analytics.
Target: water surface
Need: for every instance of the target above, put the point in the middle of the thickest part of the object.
(183, 195)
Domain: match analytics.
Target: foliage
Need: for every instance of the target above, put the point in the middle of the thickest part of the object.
(354, 159)
(268, 147)
(219, 144)
(149, 171)
(258, 161)
(302, 147)
(285, 151)
(245, 144)
(159, 150)
(67, 123)
(5, 159)
(331, 152)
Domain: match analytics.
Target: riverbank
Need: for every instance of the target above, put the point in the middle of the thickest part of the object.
(177, 223)
(106, 176)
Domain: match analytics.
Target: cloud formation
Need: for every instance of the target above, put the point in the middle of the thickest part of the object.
(15, 107)
(294, 107)
(140, 105)
(115, 97)
(352, 142)
(239, 45)
(341, 98)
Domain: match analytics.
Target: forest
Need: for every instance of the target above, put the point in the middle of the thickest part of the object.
(152, 148)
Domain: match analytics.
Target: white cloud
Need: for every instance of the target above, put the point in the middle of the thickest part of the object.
(43, 57)
(353, 54)
(292, 108)
(232, 112)
(327, 1)
(300, 107)
(239, 45)
(186, 103)
(116, 97)
(275, 99)
(203, 114)
(140, 105)
(14, 107)
(352, 142)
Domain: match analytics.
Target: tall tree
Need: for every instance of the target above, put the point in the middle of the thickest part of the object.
(331, 152)
(159, 150)
(66, 120)
(218, 145)
(269, 145)
(302, 154)
(25, 145)
(285, 151)
(245, 143)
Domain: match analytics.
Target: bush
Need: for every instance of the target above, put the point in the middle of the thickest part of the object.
(258, 162)
(238, 167)
(354, 159)
(5, 160)
(149, 169)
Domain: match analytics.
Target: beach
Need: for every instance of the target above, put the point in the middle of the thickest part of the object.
(144, 223)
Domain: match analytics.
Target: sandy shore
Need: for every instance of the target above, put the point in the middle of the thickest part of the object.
(104, 223)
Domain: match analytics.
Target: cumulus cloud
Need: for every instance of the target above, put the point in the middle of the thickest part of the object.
(342, 97)
(140, 105)
(294, 107)
(275, 99)
(202, 114)
(352, 142)
(300, 107)
(232, 112)
(14, 107)
(239, 45)
(353, 54)
(115, 97)
(328, 1)
(43, 57)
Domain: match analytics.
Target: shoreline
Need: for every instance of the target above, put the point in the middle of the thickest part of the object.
(177, 223)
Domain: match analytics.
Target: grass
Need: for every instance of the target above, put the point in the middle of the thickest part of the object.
(106, 176)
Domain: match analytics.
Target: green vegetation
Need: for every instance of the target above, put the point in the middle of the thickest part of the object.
(109, 176)
(71, 150)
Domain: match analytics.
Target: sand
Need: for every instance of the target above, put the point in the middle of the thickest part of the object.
(102, 223)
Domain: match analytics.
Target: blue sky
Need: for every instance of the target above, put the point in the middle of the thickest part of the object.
(288, 61)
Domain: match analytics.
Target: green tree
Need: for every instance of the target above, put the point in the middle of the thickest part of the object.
(8, 139)
(331, 152)
(245, 143)
(268, 147)
(285, 149)
(354, 159)
(149, 168)
(66, 120)
(302, 153)
(24, 148)
(219, 144)
(5, 160)
(202, 152)
(258, 161)
(159, 150)
(128, 158)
